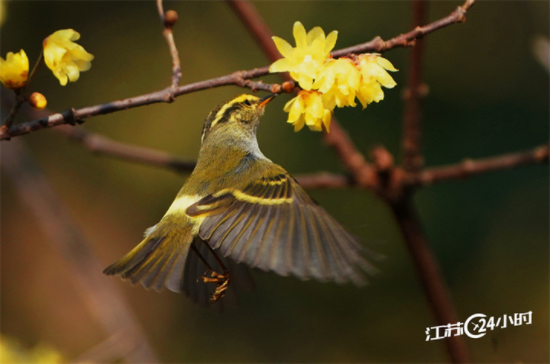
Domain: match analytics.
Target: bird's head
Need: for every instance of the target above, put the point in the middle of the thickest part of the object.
(239, 116)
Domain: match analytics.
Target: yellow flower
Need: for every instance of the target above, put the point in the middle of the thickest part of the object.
(305, 60)
(14, 71)
(373, 76)
(64, 57)
(339, 81)
(308, 109)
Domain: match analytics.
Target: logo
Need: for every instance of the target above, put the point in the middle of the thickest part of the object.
(476, 325)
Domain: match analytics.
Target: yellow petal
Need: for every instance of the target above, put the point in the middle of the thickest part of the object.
(281, 65)
(300, 35)
(386, 64)
(327, 117)
(282, 45)
(298, 125)
(315, 33)
(331, 41)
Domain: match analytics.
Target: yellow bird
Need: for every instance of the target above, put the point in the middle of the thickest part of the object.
(240, 204)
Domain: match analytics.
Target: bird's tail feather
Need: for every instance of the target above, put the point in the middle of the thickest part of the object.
(158, 261)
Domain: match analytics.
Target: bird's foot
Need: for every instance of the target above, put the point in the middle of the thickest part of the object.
(222, 283)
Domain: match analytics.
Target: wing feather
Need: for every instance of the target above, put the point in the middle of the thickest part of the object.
(272, 224)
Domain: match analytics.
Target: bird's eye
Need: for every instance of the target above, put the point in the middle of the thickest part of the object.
(247, 102)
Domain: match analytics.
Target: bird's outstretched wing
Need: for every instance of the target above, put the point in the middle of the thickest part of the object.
(272, 224)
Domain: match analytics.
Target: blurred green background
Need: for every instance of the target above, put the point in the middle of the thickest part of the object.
(488, 95)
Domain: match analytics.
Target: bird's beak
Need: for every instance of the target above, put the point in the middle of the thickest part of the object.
(264, 101)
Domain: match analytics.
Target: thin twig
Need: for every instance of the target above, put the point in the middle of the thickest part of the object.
(240, 78)
(408, 39)
(21, 96)
(19, 101)
(472, 167)
(102, 297)
(167, 25)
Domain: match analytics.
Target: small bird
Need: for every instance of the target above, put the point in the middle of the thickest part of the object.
(240, 207)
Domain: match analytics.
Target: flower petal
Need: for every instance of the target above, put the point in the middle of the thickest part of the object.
(331, 41)
(300, 35)
(283, 47)
(315, 33)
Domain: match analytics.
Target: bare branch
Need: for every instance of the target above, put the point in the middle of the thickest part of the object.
(408, 39)
(473, 167)
(412, 133)
(101, 296)
(324, 180)
(168, 20)
(239, 78)
(430, 277)
(74, 116)
(100, 144)
(256, 26)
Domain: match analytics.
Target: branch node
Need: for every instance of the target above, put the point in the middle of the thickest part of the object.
(68, 117)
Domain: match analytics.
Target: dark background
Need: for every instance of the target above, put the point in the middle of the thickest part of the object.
(488, 95)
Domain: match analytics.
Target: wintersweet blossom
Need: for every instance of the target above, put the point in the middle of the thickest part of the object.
(305, 60)
(373, 77)
(308, 109)
(14, 71)
(338, 81)
(65, 58)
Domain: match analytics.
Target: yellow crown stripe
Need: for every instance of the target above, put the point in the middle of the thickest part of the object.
(236, 100)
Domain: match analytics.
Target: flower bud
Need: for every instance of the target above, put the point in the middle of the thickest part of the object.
(170, 18)
(38, 101)
(288, 86)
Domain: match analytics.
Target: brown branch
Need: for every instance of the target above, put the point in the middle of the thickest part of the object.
(473, 167)
(99, 144)
(101, 296)
(412, 133)
(408, 39)
(239, 78)
(324, 180)
(73, 116)
(430, 277)
(425, 263)
(20, 99)
(257, 28)
(168, 20)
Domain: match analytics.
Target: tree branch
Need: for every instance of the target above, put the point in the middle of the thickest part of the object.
(471, 167)
(412, 133)
(408, 39)
(430, 277)
(100, 144)
(168, 20)
(239, 78)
